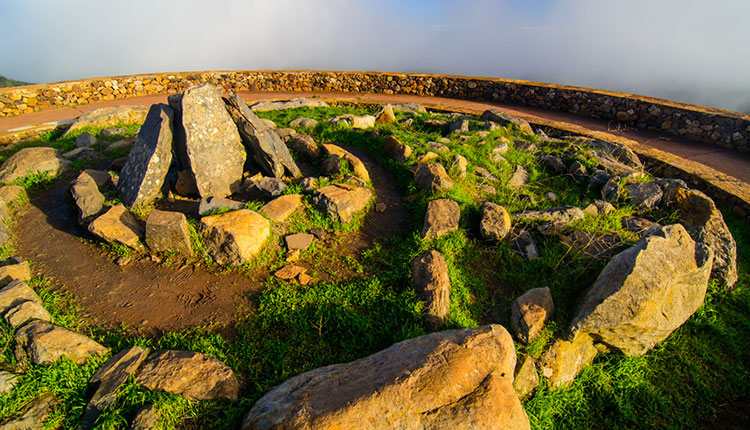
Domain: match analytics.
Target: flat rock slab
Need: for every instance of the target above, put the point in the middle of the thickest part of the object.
(191, 374)
(429, 271)
(142, 177)
(30, 161)
(168, 232)
(341, 201)
(441, 218)
(358, 167)
(459, 379)
(15, 293)
(280, 208)
(299, 241)
(109, 116)
(117, 225)
(289, 272)
(35, 415)
(45, 343)
(24, 312)
(235, 237)
(14, 268)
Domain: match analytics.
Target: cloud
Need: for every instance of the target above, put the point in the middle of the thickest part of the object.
(686, 50)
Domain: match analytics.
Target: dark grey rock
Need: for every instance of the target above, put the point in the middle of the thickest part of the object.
(85, 140)
(168, 232)
(87, 198)
(519, 178)
(645, 196)
(460, 126)
(504, 119)
(265, 188)
(611, 190)
(523, 244)
(212, 204)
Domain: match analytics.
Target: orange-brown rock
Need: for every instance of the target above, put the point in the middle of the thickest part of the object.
(235, 237)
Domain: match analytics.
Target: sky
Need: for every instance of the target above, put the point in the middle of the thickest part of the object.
(693, 51)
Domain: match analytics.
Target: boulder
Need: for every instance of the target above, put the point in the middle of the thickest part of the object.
(525, 146)
(441, 218)
(11, 193)
(332, 166)
(459, 379)
(432, 177)
(430, 275)
(297, 102)
(106, 381)
(396, 150)
(35, 415)
(264, 146)
(610, 164)
(303, 122)
(31, 161)
(505, 119)
(645, 292)
(529, 313)
(519, 178)
(45, 343)
(358, 168)
(645, 196)
(306, 146)
(526, 379)
(217, 204)
(117, 225)
(109, 116)
(698, 213)
(26, 311)
(564, 360)
(142, 177)
(341, 201)
(86, 196)
(14, 268)
(309, 183)
(279, 209)
(235, 237)
(191, 374)
(168, 232)
(494, 222)
(206, 140)
(385, 115)
(554, 219)
(85, 140)
(289, 272)
(15, 293)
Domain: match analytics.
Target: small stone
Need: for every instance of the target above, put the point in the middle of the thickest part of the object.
(487, 189)
(117, 225)
(461, 126)
(519, 178)
(494, 222)
(554, 163)
(441, 218)
(577, 169)
(319, 233)
(309, 184)
(458, 167)
(26, 311)
(500, 149)
(289, 272)
(299, 241)
(444, 140)
(306, 146)
(303, 122)
(396, 150)
(380, 207)
(484, 173)
(279, 209)
(304, 279)
(525, 146)
(265, 188)
(526, 379)
(385, 115)
(432, 177)
(218, 204)
(549, 195)
(505, 119)
(112, 132)
(637, 225)
(85, 140)
(598, 208)
(358, 168)
(530, 312)
(611, 190)
(565, 360)
(427, 157)
(523, 244)
(147, 418)
(88, 199)
(645, 196)
(123, 261)
(341, 202)
(439, 147)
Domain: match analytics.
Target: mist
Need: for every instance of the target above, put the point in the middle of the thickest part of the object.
(683, 50)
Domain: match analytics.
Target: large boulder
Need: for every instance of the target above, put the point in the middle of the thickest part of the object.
(31, 161)
(108, 116)
(341, 201)
(429, 272)
(698, 213)
(432, 177)
(117, 225)
(494, 222)
(191, 374)
(168, 232)
(142, 177)
(45, 343)
(262, 143)
(441, 218)
(235, 237)
(504, 119)
(358, 167)
(645, 292)
(459, 379)
(206, 140)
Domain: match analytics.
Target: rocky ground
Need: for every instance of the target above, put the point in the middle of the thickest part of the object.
(360, 267)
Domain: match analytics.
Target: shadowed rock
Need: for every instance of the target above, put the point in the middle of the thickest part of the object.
(168, 232)
(45, 343)
(504, 119)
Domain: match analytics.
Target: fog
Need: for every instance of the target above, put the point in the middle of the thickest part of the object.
(684, 50)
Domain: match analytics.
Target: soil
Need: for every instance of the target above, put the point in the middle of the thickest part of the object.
(152, 297)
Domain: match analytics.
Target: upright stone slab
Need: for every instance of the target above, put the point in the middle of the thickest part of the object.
(208, 142)
(432, 283)
(143, 175)
(87, 198)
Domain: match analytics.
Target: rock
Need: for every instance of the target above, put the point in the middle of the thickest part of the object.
(309, 184)
(556, 219)
(112, 132)
(441, 218)
(432, 177)
(385, 115)
(279, 209)
(262, 144)
(285, 134)
(504, 119)
(645, 292)
(436, 123)
(380, 207)
(319, 233)
(10, 193)
(303, 122)
(117, 225)
(523, 244)
(207, 141)
(265, 188)
(289, 272)
(85, 140)
(358, 168)
(461, 126)
(218, 204)
(484, 173)
(185, 185)
(86, 196)
(611, 190)
(577, 169)
(598, 208)
(332, 166)
(432, 284)
(124, 144)
(396, 150)
(81, 154)
(459, 379)
(143, 175)
(106, 381)
(519, 178)
(298, 242)
(109, 116)
(341, 202)
(35, 415)
(487, 189)
(594, 245)
(296, 102)
(118, 163)
(26, 311)
(31, 161)
(16, 293)
(494, 222)
(500, 149)
(598, 179)
(190, 374)
(525, 146)
(705, 223)
(4, 234)
(645, 196)
(235, 237)
(526, 379)
(147, 418)
(406, 122)
(637, 225)
(458, 167)
(554, 163)
(444, 140)
(565, 360)
(12, 269)
(427, 157)
(549, 195)
(439, 147)
(619, 151)
(267, 122)
(530, 312)
(168, 232)
(8, 381)
(45, 343)
(102, 178)
(409, 107)
(306, 146)
(610, 164)
(353, 180)
(356, 121)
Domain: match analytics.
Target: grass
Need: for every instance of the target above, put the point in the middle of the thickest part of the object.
(694, 379)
